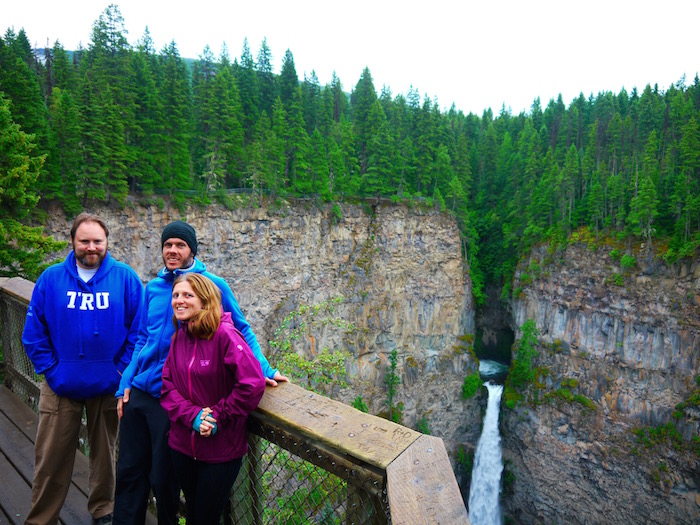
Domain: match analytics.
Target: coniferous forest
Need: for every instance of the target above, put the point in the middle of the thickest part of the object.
(117, 119)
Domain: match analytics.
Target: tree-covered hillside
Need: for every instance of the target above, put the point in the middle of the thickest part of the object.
(116, 119)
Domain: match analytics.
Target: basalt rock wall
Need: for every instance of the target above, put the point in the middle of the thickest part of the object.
(398, 270)
(626, 342)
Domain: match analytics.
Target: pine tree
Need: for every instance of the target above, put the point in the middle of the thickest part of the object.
(340, 99)
(311, 98)
(249, 90)
(22, 248)
(687, 188)
(21, 87)
(643, 211)
(363, 99)
(288, 81)
(107, 107)
(145, 163)
(296, 145)
(63, 72)
(276, 150)
(58, 180)
(266, 78)
(175, 99)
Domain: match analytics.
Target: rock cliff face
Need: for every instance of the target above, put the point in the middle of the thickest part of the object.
(629, 341)
(399, 271)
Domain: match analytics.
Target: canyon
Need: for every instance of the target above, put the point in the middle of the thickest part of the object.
(626, 341)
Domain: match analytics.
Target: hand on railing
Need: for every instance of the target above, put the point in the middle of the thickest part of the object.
(278, 378)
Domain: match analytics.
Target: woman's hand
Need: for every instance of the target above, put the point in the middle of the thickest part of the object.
(206, 428)
(278, 377)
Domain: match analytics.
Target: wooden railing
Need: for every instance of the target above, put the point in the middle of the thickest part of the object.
(311, 459)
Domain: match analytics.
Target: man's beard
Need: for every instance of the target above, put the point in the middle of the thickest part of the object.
(85, 262)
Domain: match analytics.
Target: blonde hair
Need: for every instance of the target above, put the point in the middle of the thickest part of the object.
(206, 322)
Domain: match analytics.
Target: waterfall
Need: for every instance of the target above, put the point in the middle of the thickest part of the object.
(484, 506)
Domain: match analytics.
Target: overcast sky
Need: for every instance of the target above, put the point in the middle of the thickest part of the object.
(475, 54)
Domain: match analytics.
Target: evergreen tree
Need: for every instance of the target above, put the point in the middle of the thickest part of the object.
(257, 165)
(21, 86)
(363, 99)
(23, 249)
(266, 78)
(175, 100)
(107, 108)
(311, 100)
(643, 211)
(340, 99)
(687, 188)
(249, 90)
(318, 175)
(568, 177)
(288, 81)
(63, 73)
(381, 165)
(276, 151)
(297, 145)
(596, 204)
(58, 181)
(144, 131)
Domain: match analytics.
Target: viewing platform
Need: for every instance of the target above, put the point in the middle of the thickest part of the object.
(311, 459)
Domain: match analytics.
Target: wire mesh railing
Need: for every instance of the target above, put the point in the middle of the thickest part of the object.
(311, 460)
(18, 369)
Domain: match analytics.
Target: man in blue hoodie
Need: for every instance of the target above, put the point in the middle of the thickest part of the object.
(80, 330)
(144, 462)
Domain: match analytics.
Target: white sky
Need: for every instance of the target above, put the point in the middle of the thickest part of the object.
(475, 53)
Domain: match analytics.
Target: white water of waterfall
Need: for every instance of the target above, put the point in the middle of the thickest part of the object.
(484, 507)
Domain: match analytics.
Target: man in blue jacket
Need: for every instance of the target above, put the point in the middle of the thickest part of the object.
(80, 330)
(144, 462)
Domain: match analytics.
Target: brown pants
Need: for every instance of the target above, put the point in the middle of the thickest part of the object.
(54, 454)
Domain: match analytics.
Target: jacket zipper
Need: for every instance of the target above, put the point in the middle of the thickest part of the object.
(189, 387)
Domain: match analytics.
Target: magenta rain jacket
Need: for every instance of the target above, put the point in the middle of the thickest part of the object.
(221, 373)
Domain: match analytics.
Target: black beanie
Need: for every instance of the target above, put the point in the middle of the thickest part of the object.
(180, 230)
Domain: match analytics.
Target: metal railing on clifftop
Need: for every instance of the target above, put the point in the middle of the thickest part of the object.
(311, 459)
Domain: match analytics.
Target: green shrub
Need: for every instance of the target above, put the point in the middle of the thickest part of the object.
(423, 426)
(628, 262)
(360, 405)
(471, 384)
(511, 397)
(583, 400)
(521, 372)
(615, 254)
(336, 214)
(392, 380)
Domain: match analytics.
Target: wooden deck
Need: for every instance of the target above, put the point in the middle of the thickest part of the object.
(18, 425)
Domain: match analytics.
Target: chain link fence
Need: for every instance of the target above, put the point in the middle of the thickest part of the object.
(18, 369)
(289, 481)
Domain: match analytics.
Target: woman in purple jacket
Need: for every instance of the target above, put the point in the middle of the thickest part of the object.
(211, 382)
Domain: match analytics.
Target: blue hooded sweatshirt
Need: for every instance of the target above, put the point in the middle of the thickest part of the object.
(80, 335)
(157, 329)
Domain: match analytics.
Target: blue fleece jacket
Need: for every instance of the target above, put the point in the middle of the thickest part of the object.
(80, 335)
(156, 331)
